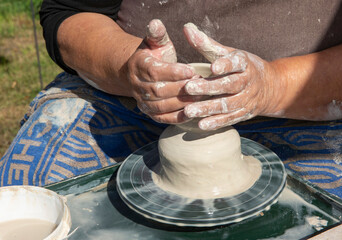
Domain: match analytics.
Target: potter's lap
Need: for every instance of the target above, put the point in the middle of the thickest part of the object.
(72, 129)
(310, 149)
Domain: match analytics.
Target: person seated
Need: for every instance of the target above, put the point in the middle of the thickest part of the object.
(275, 60)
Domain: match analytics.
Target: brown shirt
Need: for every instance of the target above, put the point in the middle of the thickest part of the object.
(269, 28)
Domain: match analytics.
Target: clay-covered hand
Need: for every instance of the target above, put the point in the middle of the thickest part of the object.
(243, 86)
(156, 80)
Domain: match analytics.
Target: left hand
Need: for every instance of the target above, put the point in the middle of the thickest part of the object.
(156, 80)
(244, 86)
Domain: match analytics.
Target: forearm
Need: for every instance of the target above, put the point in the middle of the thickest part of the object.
(309, 87)
(98, 49)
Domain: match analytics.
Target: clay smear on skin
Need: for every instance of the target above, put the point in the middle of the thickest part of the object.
(195, 88)
(213, 52)
(169, 54)
(147, 59)
(238, 61)
(154, 30)
(214, 107)
(220, 120)
(229, 79)
(210, 51)
(217, 86)
(258, 63)
(158, 64)
(224, 107)
(147, 96)
(154, 62)
(160, 85)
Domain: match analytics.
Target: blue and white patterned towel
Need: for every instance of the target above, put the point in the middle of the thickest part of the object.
(72, 128)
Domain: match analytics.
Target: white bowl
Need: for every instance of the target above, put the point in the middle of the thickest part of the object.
(21, 206)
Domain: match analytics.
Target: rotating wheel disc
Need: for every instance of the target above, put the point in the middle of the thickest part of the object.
(137, 189)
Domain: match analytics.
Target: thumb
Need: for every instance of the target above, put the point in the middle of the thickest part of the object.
(157, 38)
(209, 48)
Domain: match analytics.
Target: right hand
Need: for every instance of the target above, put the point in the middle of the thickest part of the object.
(244, 85)
(157, 81)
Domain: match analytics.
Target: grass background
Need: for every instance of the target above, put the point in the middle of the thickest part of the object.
(19, 76)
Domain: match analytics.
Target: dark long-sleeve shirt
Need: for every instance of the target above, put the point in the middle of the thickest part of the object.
(54, 12)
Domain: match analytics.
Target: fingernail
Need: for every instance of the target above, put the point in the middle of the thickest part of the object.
(153, 27)
(203, 125)
(143, 108)
(184, 118)
(218, 68)
(190, 26)
(207, 125)
(191, 30)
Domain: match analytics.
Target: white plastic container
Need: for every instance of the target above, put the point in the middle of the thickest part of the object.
(29, 203)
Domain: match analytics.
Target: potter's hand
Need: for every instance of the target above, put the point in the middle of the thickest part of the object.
(157, 81)
(241, 89)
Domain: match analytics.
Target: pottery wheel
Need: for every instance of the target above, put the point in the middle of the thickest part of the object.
(137, 189)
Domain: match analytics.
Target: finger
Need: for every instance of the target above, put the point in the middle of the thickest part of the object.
(154, 70)
(156, 34)
(235, 61)
(162, 90)
(223, 120)
(171, 118)
(212, 107)
(158, 38)
(228, 84)
(209, 48)
(167, 105)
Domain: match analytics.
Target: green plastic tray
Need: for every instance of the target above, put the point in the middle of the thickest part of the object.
(98, 213)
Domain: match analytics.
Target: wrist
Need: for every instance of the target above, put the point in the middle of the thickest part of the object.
(277, 89)
(118, 64)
